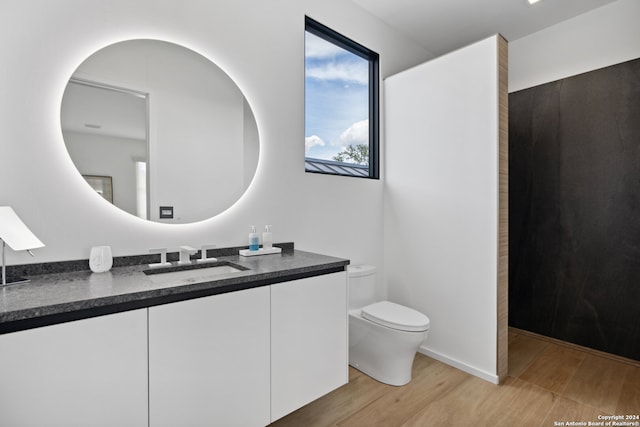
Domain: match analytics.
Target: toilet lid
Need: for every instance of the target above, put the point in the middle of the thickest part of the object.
(396, 316)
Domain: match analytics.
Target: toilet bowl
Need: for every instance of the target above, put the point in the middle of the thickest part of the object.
(383, 336)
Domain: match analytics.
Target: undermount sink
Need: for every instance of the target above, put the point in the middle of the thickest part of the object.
(193, 273)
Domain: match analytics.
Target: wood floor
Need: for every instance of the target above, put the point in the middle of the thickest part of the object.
(549, 383)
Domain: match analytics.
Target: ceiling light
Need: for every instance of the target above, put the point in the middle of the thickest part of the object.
(533, 1)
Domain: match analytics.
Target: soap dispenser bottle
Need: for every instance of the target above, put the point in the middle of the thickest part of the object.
(267, 238)
(254, 243)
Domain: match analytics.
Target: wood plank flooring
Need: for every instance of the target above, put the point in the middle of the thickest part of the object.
(549, 383)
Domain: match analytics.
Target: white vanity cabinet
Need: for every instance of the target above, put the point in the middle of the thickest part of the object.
(209, 361)
(249, 357)
(90, 372)
(243, 358)
(309, 342)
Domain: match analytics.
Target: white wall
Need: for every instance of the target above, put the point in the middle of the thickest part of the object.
(261, 45)
(441, 202)
(599, 38)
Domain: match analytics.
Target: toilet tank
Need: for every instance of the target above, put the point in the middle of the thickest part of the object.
(362, 285)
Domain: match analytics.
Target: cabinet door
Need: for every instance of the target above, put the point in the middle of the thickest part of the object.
(90, 372)
(209, 361)
(309, 348)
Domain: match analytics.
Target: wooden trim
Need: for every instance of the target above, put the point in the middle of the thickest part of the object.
(503, 212)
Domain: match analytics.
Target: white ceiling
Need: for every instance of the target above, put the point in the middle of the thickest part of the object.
(442, 26)
(102, 111)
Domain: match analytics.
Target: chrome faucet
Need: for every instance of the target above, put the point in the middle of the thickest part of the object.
(185, 252)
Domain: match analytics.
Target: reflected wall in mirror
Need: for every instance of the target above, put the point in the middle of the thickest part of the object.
(166, 124)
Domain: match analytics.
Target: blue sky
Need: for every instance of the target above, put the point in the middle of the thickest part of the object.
(336, 98)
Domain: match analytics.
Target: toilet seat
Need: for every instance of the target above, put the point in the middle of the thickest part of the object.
(396, 316)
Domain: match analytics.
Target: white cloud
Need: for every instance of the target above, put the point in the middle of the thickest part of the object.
(312, 141)
(315, 47)
(332, 67)
(346, 72)
(357, 133)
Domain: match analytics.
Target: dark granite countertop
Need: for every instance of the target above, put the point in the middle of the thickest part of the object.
(59, 297)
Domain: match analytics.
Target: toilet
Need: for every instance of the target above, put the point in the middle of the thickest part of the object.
(383, 336)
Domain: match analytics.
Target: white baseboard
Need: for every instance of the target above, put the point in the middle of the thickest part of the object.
(492, 378)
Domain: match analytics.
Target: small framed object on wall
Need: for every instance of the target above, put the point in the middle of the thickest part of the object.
(103, 185)
(166, 212)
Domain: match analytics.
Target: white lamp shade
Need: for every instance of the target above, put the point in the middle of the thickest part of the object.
(15, 233)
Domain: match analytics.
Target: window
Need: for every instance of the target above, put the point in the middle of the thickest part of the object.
(341, 104)
(141, 188)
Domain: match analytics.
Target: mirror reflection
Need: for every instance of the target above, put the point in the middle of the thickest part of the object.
(159, 131)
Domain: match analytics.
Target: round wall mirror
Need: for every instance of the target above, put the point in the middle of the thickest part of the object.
(159, 131)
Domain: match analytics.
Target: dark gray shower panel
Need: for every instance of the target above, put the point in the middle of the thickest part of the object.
(574, 200)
